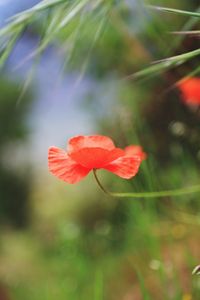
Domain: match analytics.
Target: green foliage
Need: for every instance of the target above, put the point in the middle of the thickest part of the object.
(12, 115)
(60, 16)
(14, 185)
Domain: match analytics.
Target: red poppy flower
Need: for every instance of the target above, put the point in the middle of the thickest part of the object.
(85, 153)
(190, 89)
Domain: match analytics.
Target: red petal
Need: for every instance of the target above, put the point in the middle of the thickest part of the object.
(135, 150)
(125, 167)
(63, 167)
(92, 141)
(95, 158)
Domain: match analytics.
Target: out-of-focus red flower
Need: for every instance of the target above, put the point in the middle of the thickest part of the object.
(190, 90)
(85, 153)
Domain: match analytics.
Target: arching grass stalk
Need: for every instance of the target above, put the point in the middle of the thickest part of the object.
(175, 192)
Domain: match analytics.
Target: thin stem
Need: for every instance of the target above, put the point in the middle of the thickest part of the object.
(175, 192)
(99, 183)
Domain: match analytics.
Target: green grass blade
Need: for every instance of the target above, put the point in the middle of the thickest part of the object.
(26, 16)
(175, 11)
(9, 46)
(38, 7)
(189, 32)
(72, 13)
(164, 64)
(98, 286)
(143, 289)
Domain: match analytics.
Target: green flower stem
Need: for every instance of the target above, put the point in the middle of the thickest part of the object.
(175, 192)
(99, 183)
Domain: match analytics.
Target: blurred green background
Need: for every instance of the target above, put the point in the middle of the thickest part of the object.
(59, 241)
